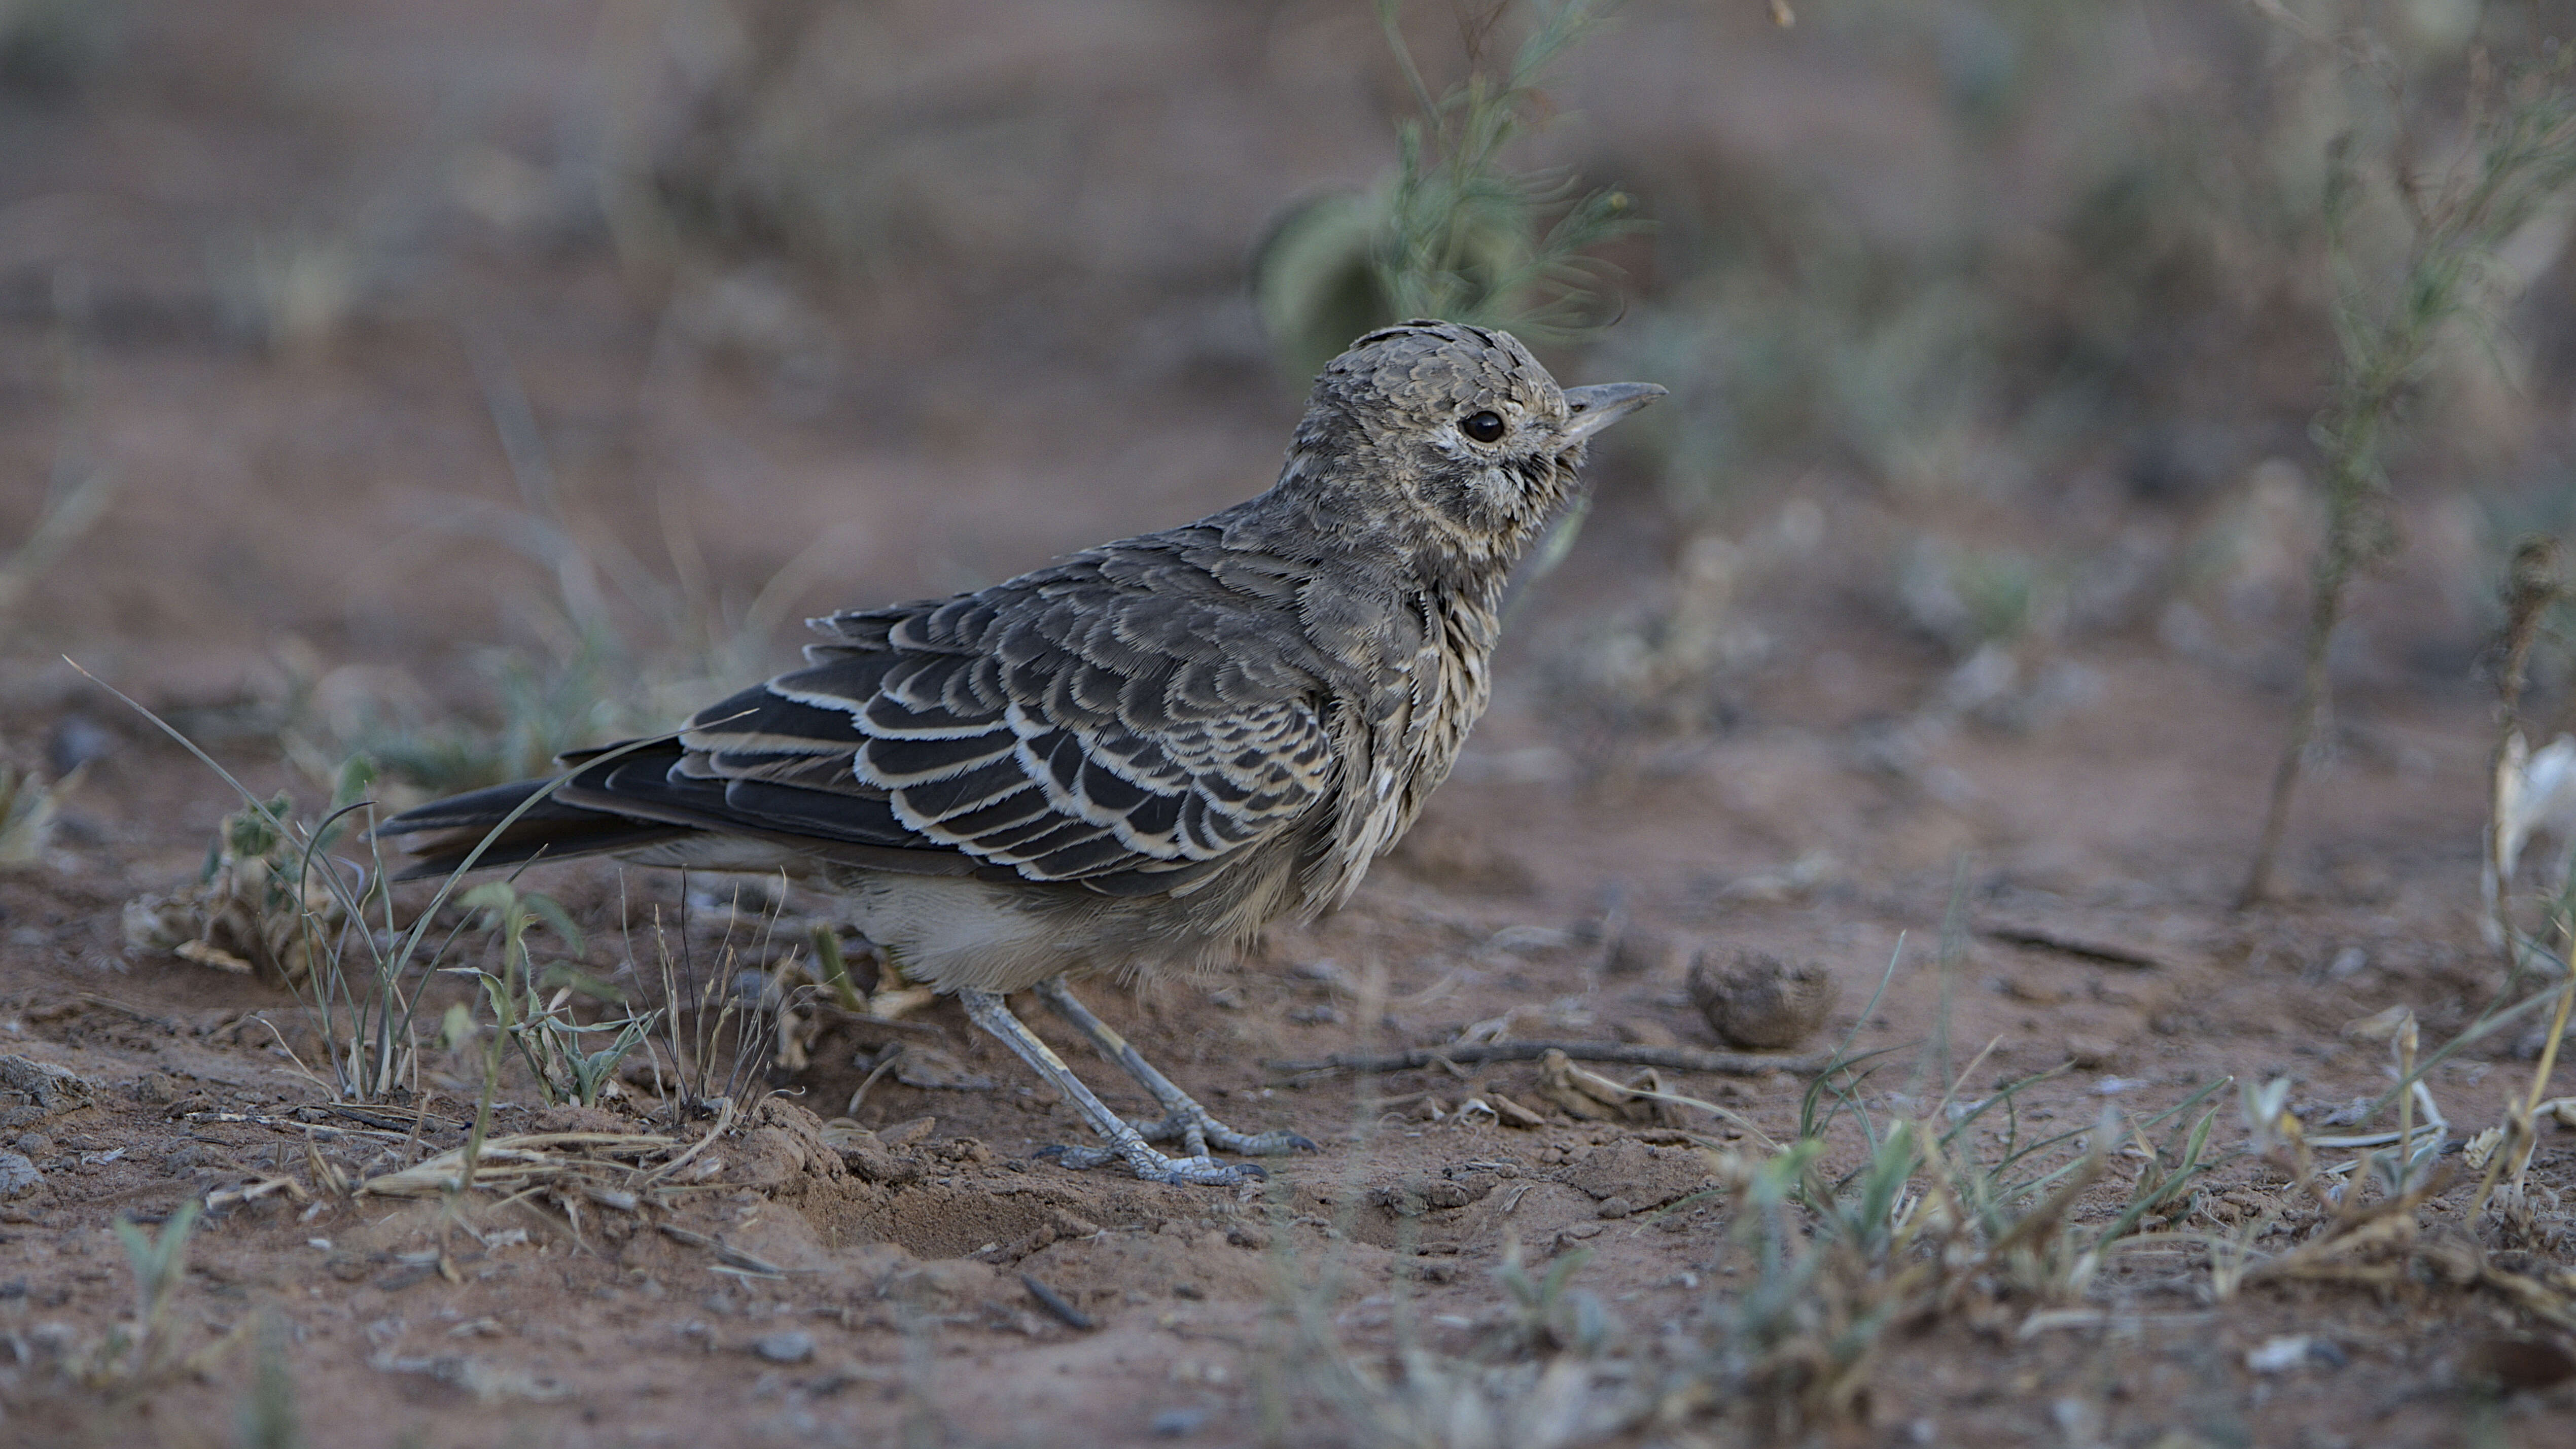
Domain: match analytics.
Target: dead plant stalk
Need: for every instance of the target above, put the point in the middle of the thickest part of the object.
(2519, 162)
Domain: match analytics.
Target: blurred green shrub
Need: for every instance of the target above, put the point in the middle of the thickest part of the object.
(1455, 232)
(2094, 238)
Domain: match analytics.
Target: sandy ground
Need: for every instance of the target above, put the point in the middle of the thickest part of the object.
(893, 1278)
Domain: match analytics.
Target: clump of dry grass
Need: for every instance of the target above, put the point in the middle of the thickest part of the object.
(2361, 1222)
(255, 908)
(273, 898)
(1951, 1213)
(721, 1020)
(1930, 1225)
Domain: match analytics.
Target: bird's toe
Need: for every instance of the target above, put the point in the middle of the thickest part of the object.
(1154, 1166)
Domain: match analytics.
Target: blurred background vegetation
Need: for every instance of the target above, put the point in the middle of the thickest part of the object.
(458, 382)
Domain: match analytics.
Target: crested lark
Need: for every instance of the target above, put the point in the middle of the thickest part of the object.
(1138, 756)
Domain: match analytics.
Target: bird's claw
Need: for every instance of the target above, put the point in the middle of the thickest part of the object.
(1152, 1166)
(1199, 1132)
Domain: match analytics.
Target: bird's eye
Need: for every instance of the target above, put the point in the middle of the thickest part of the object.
(1484, 427)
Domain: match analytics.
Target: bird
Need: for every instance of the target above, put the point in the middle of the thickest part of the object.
(1134, 758)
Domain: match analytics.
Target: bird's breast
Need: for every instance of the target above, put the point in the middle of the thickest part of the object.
(1402, 738)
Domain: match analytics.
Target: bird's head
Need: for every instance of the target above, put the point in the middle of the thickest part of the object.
(1452, 435)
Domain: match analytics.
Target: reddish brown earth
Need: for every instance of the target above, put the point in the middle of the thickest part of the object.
(342, 508)
(909, 1286)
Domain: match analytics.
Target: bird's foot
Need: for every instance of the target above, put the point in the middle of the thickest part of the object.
(1200, 1170)
(1125, 1141)
(1190, 1125)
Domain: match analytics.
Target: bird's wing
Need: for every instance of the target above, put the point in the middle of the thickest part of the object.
(1126, 720)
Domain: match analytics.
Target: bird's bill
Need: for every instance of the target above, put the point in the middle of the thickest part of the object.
(1598, 406)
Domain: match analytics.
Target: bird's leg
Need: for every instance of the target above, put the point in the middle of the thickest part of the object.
(1183, 1117)
(1125, 1142)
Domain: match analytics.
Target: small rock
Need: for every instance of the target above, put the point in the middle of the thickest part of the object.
(792, 1346)
(1615, 1208)
(18, 1176)
(33, 1090)
(1760, 1001)
(34, 1144)
(2285, 1351)
(1178, 1423)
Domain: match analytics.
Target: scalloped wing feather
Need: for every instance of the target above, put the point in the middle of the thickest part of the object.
(1065, 727)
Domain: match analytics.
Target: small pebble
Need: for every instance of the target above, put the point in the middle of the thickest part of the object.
(793, 1346)
(1762, 1002)
(2285, 1351)
(18, 1175)
(1178, 1423)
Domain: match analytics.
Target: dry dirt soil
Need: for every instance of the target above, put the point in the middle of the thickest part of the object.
(785, 1289)
(911, 1269)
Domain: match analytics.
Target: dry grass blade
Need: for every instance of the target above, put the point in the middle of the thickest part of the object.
(235, 1196)
(513, 1164)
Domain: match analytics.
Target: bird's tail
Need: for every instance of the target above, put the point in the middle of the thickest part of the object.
(443, 834)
